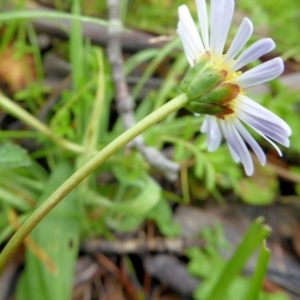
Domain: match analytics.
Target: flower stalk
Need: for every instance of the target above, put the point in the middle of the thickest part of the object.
(17, 111)
(170, 107)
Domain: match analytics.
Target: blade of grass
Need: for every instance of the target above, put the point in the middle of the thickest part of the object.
(77, 74)
(138, 58)
(35, 51)
(253, 237)
(153, 65)
(14, 200)
(10, 31)
(171, 82)
(260, 273)
(92, 129)
(18, 134)
(76, 47)
(28, 14)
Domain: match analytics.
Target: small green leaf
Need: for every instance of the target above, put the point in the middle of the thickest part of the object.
(58, 235)
(13, 156)
(131, 212)
(260, 189)
(148, 195)
(162, 215)
(199, 258)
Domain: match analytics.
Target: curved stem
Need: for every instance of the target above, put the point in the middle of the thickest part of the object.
(16, 110)
(83, 172)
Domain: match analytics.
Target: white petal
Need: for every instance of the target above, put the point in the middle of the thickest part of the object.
(190, 30)
(251, 141)
(240, 39)
(270, 141)
(186, 47)
(252, 53)
(230, 144)
(266, 138)
(202, 16)
(214, 135)
(257, 110)
(262, 73)
(204, 125)
(242, 149)
(221, 16)
(234, 155)
(267, 128)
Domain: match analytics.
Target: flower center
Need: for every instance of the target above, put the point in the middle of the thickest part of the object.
(220, 64)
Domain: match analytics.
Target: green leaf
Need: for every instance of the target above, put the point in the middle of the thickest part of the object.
(131, 212)
(199, 258)
(14, 200)
(238, 289)
(260, 189)
(13, 156)
(199, 166)
(148, 195)
(138, 58)
(277, 296)
(162, 215)
(58, 235)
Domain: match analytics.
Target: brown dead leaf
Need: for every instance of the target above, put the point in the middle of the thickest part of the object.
(111, 290)
(30, 243)
(270, 287)
(16, 72)
(162, 292)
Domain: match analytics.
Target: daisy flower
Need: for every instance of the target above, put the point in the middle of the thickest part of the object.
(228, 108)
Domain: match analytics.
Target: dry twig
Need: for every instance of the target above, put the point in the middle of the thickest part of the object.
(140, 246)
(125, 104)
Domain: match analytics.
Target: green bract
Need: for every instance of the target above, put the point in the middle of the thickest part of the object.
(206, 89)
(197, 70)
(208, 108)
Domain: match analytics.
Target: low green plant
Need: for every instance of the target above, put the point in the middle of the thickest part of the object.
(221, 278)
(118, 189)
